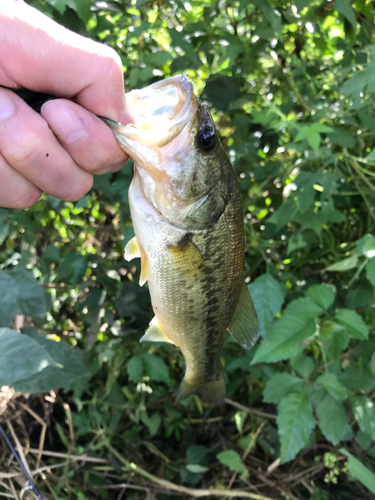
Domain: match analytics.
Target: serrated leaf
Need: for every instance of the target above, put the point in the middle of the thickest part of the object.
(344, 264)
(305, 307)
(364, 413)
(32, 357)
(334, 339)
(353, 323)
(331, 384)
(134, 367)
(332, 419)
(323, 294)
(155, 368)
(295, 421)
(284, 339)
(280, 385)
(267, 298)
(370, 271)
(360, 472)
(358, 378)
(233, 460)
(303, 365)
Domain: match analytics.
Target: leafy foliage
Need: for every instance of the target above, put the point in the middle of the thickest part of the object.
(291, 88)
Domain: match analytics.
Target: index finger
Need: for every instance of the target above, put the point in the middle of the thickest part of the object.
(41, 55)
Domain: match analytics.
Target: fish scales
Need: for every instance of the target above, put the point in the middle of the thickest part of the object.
(188, 221)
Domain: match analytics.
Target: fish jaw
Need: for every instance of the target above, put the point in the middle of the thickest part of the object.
(160, 111)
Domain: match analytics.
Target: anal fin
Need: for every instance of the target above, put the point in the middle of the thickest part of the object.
(244, 326)
(155, 333)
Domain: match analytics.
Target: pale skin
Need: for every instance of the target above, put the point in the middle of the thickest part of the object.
(59, 150)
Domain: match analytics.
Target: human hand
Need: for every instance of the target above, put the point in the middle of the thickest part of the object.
(58, 151)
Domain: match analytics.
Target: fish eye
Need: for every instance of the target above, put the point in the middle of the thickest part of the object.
(207, 139)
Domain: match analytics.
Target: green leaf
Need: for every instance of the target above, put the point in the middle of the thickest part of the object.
(283, 214)
(344, 7)
(32, 357)
(345, 264)
(233, 460)
(70, 366)
(267, 298)
(334, 339)
(358, 378)
(331, 384)
(324, 294)
(153, 422)
(303, 365)
(196, 468)
(353, 323)
(370, 271)
(332, 419)
(134, 367)
(366, 246)
(155, 368)
(314, 140)
(284, 339)
(295, 421)
(72, 268)
(372, 364)
(4, 231)
(196, 453)
(360, 472)
(20, 293)
(364, 413)
(280, 385)
(305, 307)
(272, 16)
(221, 91)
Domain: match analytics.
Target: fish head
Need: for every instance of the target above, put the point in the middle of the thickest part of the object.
(184, 170)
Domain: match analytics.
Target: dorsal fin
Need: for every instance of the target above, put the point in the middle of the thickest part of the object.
(244, 326)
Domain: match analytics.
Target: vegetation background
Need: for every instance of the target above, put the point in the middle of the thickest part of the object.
(291, 88)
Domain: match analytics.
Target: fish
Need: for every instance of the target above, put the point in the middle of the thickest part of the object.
(189, 232)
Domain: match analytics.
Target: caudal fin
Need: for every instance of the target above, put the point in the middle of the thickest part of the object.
(212, 391)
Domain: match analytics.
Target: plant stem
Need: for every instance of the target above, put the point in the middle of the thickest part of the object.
(182, 489)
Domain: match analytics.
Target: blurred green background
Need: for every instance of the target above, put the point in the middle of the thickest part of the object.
(291, 89)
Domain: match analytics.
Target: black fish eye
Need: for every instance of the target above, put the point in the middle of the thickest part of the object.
(207, 139)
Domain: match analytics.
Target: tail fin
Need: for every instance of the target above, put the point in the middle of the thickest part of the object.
(211, 391)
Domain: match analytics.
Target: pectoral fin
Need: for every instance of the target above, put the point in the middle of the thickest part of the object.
(244, 327)
(187, 258)
(144, 269)
(155, 333)
(132, 249)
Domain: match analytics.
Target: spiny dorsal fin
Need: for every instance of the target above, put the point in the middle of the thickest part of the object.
(132, 249)
(244, 327)
(155, 333)
(187, 257)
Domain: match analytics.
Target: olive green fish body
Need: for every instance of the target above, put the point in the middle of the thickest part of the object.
(188, 222)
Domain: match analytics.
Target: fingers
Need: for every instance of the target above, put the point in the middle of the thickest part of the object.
(28, 145)
(86, 137)
(41, 55)
(15, 190)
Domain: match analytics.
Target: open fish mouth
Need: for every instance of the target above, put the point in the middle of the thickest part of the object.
(160, 112)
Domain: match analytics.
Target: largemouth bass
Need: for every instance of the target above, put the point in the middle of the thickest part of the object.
(187, 217)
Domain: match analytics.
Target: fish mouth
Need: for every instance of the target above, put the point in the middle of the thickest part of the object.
(160, 112)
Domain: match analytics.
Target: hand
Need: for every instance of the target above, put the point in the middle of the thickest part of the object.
(58, 151)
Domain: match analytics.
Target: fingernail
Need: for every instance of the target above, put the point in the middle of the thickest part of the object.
(7, 107)
(64, 122)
